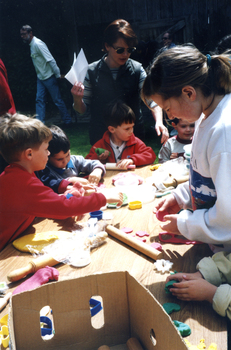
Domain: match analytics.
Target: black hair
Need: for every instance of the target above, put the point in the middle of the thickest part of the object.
(59, 141)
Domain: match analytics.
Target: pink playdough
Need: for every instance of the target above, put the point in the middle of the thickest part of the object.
(126, 229)
(160, 215)
(142, 234)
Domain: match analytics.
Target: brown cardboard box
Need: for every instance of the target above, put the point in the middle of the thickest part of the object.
(129, 310)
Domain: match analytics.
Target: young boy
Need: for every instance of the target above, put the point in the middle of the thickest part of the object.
(119, 142)
(62, 165)
(174, 147)
(24, 145)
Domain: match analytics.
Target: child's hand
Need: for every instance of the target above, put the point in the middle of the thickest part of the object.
(113, 196)
(95, 176)
(168, 204)
(124, 163)
(180, 276)
(104, 155)
(174, 156)
(80, 180)
(76, 190)
(193, 289)
(171, 224)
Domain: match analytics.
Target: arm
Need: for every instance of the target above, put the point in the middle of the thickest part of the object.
(165, 153)
(57, 185)
(44, 51)
(160, 128)
(142, 154)
(211, 225)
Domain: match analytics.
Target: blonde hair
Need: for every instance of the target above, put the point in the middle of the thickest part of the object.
(186, 65)
(19, 132)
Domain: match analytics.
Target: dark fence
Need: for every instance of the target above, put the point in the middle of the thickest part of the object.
(67, 25)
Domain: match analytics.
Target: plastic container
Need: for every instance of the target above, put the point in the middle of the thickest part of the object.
(96, 214)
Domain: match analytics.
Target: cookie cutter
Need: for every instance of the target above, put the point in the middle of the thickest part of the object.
(135, 205)
(48, 325)
(96, 214)
(175, 239)
(96, 306)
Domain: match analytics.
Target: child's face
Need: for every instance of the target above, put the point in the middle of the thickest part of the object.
(184, 129)
(40, 157)
(60, 160)
(122, 132)
(181, 107)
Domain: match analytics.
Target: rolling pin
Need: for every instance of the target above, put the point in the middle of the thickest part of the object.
(134, 243)
(112, 166)
(4, 300)
(32, 267)
(104, 347)
(134, 344)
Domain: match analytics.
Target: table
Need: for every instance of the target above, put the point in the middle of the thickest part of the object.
(116, 256)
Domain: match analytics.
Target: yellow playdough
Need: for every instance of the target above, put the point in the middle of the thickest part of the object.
(200, 346)
(37, 241)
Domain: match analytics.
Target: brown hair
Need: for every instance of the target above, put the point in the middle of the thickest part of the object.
(118, 113)
(19, 132)
(185, 65)
(119, 29)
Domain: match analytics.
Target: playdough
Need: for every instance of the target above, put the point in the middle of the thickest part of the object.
(160, 215)
(39, 240)
(170, 307)
(183, 328)
(168, 285)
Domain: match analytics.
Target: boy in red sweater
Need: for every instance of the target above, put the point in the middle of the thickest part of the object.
(120, 144)
(24, 145)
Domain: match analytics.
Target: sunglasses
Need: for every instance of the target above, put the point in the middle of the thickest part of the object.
(120, 50)
(165, 38)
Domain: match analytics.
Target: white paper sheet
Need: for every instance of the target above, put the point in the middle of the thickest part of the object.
(79, 69)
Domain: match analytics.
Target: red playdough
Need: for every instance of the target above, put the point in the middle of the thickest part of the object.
(160, 215)
(156, 245)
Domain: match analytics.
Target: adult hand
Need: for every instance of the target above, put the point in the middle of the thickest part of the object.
(77, 90)
(161, 129)
(77, 93)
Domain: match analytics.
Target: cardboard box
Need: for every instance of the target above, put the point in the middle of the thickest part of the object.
(129, 310)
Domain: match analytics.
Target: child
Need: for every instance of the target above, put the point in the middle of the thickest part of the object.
(212, 282)
(174, 147)
(192, 86)
(61, 165)
(24, 145)
(121, 145)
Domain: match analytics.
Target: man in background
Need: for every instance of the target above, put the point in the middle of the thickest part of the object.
(47, 74)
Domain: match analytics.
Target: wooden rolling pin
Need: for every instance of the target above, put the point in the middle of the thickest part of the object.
(32, 267)
(134, 344)
(175, 182)
(112, 166)
(104, 347)
(4, 300)
(133, 242)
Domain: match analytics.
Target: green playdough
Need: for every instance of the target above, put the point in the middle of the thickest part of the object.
(183, 328)
(169, 285)
(170, 307)
(114, 205)
(99, 151)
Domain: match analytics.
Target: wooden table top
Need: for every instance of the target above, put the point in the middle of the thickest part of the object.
(115, 256)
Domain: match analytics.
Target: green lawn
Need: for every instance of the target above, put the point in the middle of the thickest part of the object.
(80, 145)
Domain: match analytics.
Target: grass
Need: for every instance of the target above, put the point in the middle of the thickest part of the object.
(80, 144)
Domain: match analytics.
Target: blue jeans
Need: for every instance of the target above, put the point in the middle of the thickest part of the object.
(51, 85)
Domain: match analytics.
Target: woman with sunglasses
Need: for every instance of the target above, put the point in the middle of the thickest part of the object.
(114, 77)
